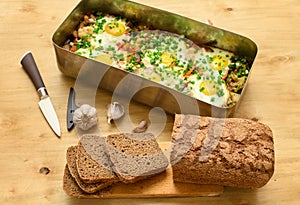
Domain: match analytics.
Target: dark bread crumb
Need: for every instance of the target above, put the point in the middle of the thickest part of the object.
(86, 187)
(135, 156)
(92, 162)
(71, 188)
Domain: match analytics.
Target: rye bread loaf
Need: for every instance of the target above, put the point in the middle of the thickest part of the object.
(228, 152)
(135, 156)
(93, 163)
(86, 187)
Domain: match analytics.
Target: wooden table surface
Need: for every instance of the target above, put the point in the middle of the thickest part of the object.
(27, 143)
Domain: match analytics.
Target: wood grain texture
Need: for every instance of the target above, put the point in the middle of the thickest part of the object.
(27, 142)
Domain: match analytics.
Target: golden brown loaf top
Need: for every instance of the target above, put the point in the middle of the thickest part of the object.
(229, 152)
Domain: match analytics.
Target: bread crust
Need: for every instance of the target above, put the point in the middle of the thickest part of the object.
(229, 152)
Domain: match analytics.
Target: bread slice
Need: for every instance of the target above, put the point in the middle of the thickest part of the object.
(93, 163)
(71, 188)
(228, 152)
(135, 156)
(86, 187)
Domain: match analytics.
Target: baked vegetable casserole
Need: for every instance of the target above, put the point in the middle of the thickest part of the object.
(206, 73)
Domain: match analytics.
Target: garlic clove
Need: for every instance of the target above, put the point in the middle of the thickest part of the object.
(142, 127)
(115, 111)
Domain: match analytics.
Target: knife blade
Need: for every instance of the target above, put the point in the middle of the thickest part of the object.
(45, 104)
(71, 109)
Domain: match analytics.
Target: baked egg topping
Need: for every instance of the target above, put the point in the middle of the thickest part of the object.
(212, 75)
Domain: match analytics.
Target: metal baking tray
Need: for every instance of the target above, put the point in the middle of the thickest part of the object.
(126, 84)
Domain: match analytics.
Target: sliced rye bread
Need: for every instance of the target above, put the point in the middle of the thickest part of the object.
(228, 152)
(71, 188)
(93, 163)
(86, 187)
(135, 156)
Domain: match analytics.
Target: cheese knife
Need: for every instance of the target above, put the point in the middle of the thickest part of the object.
(45, 103)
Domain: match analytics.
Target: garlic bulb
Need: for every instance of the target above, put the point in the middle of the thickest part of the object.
(115, 111)
(85, 117)
(142, 127)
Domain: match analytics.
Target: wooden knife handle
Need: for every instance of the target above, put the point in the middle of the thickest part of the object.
(31, 69)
